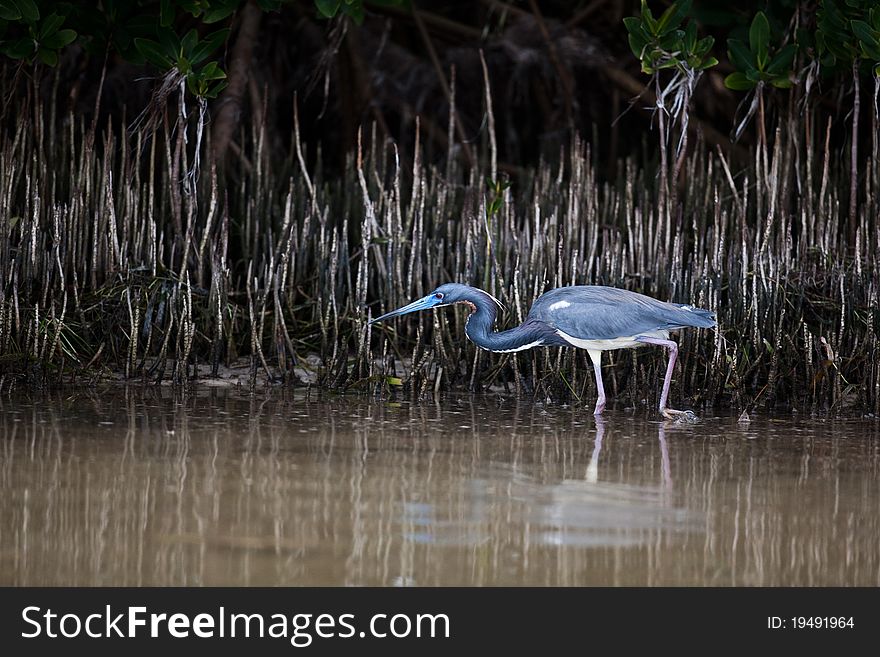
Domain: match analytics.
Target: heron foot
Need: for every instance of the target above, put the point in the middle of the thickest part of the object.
(681, 417)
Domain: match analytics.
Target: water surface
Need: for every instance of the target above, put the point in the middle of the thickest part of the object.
(146, 487)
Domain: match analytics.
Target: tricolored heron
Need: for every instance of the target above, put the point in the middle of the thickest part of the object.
(591, 317)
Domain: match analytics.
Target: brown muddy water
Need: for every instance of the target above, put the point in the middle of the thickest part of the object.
(145, 487)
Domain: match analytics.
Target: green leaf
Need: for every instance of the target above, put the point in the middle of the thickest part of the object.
(329, 8)
(9, 11)
(354, 12)
(637, 38)
(709, 62)
(188, 42)
(738, 82)
(28, 10)
(647, 19)
(153, 53)
(670, 42)
(741, 57)
(704, 45)
(690, 37)
(830, 16)
(781, 62)
(782, 83)
(833, 35)
(208, 45)
(193, 7)
(672, 17)
(828, 61)
(20, 48)
(50, 26)
(169, 42)
(47, 56)
(166, 14)
(212, 71)
(759, 39)
(60, 39)
(637, 46)
(631, 23)
(865, 34)
(214, 91)
(872, 54)
(216, 14)
(195, 86)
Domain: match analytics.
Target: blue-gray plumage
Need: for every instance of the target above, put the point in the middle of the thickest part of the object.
(591, 317)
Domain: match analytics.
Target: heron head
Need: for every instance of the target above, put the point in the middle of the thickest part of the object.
(432, 300)
(446, 294)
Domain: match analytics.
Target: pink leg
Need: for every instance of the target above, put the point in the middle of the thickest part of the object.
(593, 467)
(672, 414)
(596, 357)
(664, 458)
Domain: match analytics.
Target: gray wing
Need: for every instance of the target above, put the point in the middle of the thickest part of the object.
(595, 312)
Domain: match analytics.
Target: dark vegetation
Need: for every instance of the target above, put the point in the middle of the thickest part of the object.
(186, 186)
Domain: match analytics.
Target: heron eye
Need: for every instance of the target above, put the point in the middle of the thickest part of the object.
(439, 295)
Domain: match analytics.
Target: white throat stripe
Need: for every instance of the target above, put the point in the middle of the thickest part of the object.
(537, 343)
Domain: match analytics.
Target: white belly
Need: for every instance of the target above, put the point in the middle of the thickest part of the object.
(614, 343)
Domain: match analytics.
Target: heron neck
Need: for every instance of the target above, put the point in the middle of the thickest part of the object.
(479, 331)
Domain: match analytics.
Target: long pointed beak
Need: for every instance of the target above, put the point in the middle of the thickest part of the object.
(422, 304)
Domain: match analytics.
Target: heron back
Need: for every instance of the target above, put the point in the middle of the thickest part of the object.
(596, 312)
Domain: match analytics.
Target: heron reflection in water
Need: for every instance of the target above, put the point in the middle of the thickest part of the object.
(592, 474)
